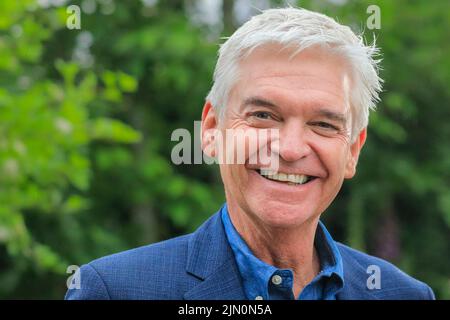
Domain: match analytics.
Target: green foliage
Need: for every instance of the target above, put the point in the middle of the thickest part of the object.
(46, 129)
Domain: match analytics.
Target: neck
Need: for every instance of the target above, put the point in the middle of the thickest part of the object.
(284, 248)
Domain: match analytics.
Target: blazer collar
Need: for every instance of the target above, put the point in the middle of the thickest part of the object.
(211, 260)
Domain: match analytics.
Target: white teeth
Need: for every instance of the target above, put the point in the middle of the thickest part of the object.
(266, 172)
(290, 178)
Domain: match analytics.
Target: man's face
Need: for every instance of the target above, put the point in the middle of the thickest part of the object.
(305, 98)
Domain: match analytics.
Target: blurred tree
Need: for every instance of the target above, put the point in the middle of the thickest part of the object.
(96, 194)
(46, 129)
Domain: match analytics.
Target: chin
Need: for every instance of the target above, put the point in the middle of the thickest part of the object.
(282, 215)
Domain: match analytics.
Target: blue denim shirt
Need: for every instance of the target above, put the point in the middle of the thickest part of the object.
(263, 281)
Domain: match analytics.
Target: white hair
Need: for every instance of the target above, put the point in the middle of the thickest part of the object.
(301, 29)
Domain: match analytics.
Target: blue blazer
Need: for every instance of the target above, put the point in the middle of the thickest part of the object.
(201, 265)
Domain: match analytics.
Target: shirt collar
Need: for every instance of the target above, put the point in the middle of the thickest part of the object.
(256, 273)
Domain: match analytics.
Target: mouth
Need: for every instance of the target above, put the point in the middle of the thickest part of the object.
(289, 179)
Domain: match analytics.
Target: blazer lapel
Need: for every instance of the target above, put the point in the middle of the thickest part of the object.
(211, 260)
(355, 281)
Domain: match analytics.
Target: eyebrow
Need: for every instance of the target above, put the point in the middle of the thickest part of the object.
(331, 115)
(259, 102)
(322, 112)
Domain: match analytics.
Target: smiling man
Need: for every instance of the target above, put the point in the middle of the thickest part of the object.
(312, 81)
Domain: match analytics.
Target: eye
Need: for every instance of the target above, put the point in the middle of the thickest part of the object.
(262, 115)
(326, 125)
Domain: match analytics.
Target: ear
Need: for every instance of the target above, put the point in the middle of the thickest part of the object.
(353, 154)
(208, 130)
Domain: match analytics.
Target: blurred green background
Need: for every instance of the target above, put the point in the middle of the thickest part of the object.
(86, 118)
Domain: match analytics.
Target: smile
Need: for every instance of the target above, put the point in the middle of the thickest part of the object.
(291, 179)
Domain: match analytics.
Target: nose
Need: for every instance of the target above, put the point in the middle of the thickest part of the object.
(293, 144)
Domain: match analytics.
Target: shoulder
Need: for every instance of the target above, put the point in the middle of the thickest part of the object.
(393, 282)
(148, 272)
(153, 257)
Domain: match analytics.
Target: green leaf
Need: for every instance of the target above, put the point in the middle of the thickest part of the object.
(113, 130)
(68, 70)
(126, 82)
(47, 259)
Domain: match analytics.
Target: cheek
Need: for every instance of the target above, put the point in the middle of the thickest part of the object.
(234, 176)
(334, 156)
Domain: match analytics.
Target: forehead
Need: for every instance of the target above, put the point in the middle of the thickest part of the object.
(313, 76)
